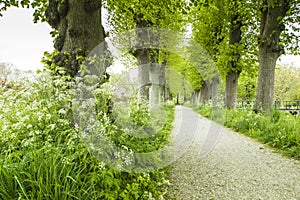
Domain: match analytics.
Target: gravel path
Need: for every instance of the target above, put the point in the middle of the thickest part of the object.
(237, 168)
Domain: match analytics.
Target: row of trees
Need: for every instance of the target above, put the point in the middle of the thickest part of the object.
(9, 74)
(238, 35)
(287, 83)
(245, 33)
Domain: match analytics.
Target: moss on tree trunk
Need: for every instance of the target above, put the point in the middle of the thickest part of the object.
(80, 30)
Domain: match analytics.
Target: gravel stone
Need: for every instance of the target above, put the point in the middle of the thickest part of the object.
(237, 168)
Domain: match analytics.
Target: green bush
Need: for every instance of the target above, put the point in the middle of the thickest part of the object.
(205, 111)
(216, 114)
(42, 155)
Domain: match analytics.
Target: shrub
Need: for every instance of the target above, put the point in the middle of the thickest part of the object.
(42, 155)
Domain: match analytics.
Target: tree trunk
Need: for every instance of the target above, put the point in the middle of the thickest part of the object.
(214, 90)
(195, 98)
(232, 76)
(204, 93)
(154, 74)
(162, 82)
(142, 56)
(197, 95)
(269, 51)
(265, 87)
(154, 94)
(80, 30)
(167, 94)
(231, 89)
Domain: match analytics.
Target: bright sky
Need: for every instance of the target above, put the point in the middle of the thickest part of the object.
(22, 43)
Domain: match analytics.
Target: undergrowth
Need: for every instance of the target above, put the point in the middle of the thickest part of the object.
(43, 157)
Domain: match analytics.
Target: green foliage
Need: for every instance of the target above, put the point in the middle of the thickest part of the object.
(162, 14)
(290, 39)
(139, 113)
(214, 24)
(42, 156)
(205, 111)
(186, 70)
(247, 85)
(143, 124)
(287, 83)
(39, 6)
(216, 113)
(208, 25)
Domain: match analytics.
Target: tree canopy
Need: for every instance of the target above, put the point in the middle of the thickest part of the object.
(238, 35)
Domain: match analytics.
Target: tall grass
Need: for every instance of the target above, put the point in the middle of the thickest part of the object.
(42, 156)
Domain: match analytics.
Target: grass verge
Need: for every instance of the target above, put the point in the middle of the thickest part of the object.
(277, 129)
(42, 155)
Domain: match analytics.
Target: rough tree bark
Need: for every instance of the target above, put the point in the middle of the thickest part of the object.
(269, 50)
(214, 90)
(231, 89)
(154, 96)
(195, 98)
(233, 75)
(154, 74)
(148, 74)
(142, 56)
(147, 58)
(162, 81)
(80, 30)
(204, 94)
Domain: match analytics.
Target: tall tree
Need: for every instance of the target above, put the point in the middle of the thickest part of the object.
(235, 38)
(287, 83)
(273, 23)
(208, 24)
(189, 73)
(222, 29)
(77, 26)
(143, 14)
